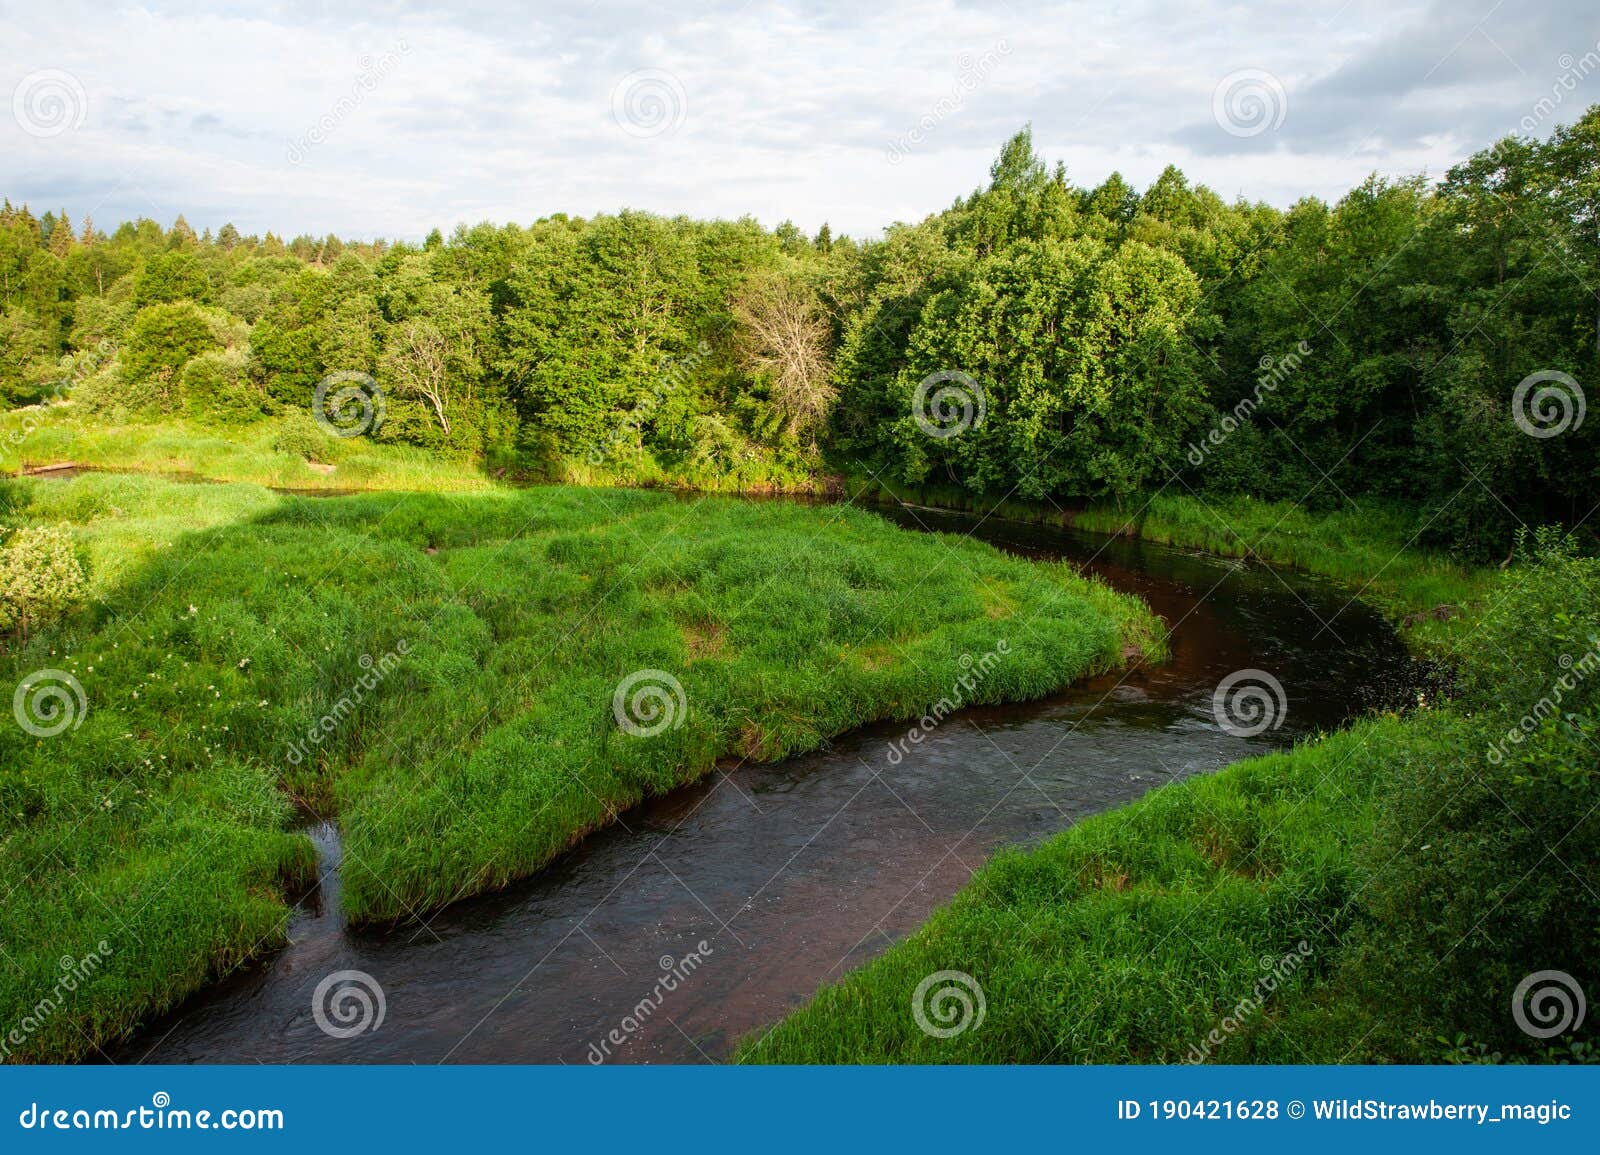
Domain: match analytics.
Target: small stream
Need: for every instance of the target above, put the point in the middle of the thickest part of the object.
(795, 872)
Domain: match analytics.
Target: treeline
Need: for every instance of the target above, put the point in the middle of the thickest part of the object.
(1037, 338)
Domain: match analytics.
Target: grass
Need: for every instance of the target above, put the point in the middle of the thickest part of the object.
(1130, 937)
(176, 447)
(1373, 895)
(439, 671)
(1372, 551)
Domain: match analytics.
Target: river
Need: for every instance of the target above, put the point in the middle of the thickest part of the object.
(790, 874)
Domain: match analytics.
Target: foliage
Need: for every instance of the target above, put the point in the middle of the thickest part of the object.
(40, 576)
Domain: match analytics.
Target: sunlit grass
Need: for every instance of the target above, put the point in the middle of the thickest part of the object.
(172, 446)
(225, 621)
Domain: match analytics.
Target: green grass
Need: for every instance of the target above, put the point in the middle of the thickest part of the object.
(172, 446)
(1372, 550)
(1131, 936)
(1413, 857)
(224, 621)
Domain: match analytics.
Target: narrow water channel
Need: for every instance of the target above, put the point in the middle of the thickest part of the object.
(793, 873)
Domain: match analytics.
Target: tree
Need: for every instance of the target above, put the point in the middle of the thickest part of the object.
(784, 338)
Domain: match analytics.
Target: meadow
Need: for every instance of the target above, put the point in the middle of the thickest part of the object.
(468, 683)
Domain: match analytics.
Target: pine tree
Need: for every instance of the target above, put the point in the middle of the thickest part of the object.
(61, 235)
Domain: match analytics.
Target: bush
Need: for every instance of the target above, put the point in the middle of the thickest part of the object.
(302, 436)
(1486, 867)
(39, 576)
(163, 340)
(218, 385)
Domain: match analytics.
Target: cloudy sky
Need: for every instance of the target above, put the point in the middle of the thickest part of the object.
(290, 117)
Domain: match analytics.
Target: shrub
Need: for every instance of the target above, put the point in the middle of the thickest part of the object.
(1486, 867)
(163, 340)
(218, 385)
(302, 436)
(39, 576)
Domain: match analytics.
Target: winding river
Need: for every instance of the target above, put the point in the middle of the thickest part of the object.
(795, 872)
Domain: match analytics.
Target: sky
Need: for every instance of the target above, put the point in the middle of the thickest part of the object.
(296, 118)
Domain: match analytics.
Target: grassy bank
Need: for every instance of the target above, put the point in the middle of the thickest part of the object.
(291, 453)
(1375, 895)
(441, 671)
(1373, 551)
(271, 452)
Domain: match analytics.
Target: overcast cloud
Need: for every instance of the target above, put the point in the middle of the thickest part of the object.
(283, 116)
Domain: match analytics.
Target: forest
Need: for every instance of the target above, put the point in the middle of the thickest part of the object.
(1101, 343)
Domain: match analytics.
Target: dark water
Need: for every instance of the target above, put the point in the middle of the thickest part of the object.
(793, 873)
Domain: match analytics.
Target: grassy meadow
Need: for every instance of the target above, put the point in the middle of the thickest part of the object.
(439, 672)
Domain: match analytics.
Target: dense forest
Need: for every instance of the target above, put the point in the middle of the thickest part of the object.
(1060, 342)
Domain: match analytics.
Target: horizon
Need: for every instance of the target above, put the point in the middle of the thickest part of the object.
(389, 129)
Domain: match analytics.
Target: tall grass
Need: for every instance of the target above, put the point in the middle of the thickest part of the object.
(464, 650)
(173, 446)
(1132, 936)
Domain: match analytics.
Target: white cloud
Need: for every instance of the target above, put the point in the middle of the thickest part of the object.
(788, 110)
